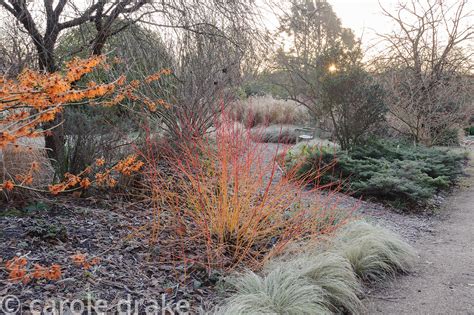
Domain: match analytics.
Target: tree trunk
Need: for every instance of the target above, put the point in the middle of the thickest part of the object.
(54, 140)
(55, 144)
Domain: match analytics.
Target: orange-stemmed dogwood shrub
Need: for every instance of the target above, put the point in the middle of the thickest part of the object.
(225, 202)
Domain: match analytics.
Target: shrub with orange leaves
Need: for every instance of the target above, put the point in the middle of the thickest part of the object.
(35, 98)
(54, 272)
(106, 177)
(229, 201)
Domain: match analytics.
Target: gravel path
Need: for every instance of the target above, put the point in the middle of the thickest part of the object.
(443, 280)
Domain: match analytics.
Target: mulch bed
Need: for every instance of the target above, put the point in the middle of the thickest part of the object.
(128, 267)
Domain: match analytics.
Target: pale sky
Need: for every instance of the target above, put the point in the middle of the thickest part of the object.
(364, 17)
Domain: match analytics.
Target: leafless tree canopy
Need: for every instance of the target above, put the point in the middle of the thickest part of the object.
(57, 19)
(427, 67)
(16, 52)
(45, 22)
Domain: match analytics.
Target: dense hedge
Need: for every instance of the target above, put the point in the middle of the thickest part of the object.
(400, 174)
(469, 131)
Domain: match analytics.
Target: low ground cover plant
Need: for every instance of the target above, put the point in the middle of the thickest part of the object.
(276, 134)
(327, 281)
(400, 174)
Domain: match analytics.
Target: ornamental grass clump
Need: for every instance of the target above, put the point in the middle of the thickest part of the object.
(334, 274)
(282, 291)
(325, 280)
(374, 252)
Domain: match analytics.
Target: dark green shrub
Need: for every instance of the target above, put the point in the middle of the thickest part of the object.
(398, 173)
(448, 137)
(355, 103)
(469, 131)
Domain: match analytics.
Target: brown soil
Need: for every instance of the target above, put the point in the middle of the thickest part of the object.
(128, 267)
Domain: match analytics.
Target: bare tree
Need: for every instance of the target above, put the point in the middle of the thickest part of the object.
(103, 13)
(426, 65)
(207, 72)
(212, 43)
(16, 52)
(354, 102)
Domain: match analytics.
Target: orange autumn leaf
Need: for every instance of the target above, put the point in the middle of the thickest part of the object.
(17, 269)
(24, 179)
(151, 105)
(56, 189)
(156, 76)
(22, 261)
(102, 178)
(16, 262)
(129, 165)
(54, 272)
(8, 185)
(86, 265)
(121, 80)
(17, 274)
(85, 183)
(39, 272)
(100, 162)
(35, 166)
(28, 180)
(95, 261)
(81, 260)
(78, 258)
(111, 182)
